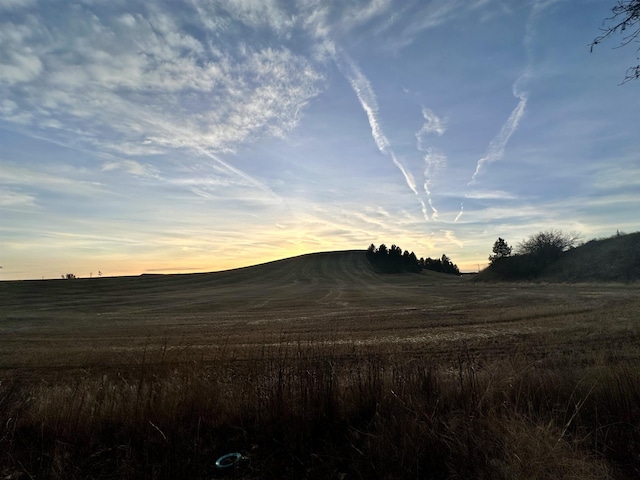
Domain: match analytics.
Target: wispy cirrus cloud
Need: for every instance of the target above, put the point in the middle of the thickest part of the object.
(10, 198)
(450, 236)
(38, 178)
(491, 195)
(136, 79)
(432, 124)
(420, 16)
(139, 82)
(130, 166)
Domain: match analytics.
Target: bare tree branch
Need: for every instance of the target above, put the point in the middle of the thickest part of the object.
(625, 18)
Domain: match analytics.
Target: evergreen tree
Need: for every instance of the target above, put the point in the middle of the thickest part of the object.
(393, 259)
(501, 249)
(442, 265)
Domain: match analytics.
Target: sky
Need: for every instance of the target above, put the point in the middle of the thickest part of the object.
(173, 137)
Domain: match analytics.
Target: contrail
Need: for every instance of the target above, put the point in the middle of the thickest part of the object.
(498, 144)
(434, 162)
(434, 212)
(459, 213)
(496, 148)
(239, 173)
(407, 175)
(425, 212)
(367, 97)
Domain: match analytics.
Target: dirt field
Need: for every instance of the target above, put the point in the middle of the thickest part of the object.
(324, 300)
(317, 367)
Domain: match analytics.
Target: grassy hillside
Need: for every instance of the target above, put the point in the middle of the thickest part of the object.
(615, 259)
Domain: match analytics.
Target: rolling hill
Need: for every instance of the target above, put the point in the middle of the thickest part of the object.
(67, 323)
(318, 278)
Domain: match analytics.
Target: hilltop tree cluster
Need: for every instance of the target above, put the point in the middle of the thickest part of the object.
(394, 260)
(442, 264)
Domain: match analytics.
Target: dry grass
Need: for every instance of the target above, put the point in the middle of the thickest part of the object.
(301, 414)
(341, 374)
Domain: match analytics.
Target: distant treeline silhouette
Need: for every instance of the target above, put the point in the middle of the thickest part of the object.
(394, 260)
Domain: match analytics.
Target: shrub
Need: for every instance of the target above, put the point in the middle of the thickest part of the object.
(548, 245)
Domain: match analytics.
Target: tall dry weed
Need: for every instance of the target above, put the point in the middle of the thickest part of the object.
(302, 412)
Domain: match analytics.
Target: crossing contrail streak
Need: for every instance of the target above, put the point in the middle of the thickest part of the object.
(369, 102)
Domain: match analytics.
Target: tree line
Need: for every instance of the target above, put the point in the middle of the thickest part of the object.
(394, 260)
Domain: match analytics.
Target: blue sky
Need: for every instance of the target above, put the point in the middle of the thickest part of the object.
(171, 137)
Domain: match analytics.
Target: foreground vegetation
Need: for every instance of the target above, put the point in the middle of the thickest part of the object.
(299, 412)
(317, 367)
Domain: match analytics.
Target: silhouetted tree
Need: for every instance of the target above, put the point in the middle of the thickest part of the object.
(434, 265)
(501, 249)
(392, 260)
(442, 265)
(626, 21)
(395, 260)
(410, 262)
(448, 266)
(545, 247)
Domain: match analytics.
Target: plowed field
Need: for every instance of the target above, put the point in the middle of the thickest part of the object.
(332, 301)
